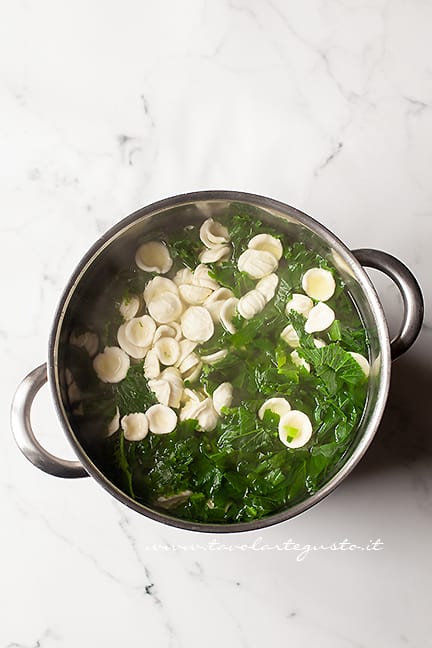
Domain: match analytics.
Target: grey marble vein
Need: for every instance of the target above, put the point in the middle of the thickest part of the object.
(334, 153)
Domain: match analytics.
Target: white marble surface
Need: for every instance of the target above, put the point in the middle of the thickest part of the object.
(107, 106)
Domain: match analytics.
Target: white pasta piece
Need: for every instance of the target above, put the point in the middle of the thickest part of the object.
(168, 350)
(165, 330)
(192, 395)
(173, 500)
(129, 307)
(215, 254)
(276, 405)
(319, 343)
(267, 243)
(215, 302)
(207, 417)
(299, 361)
(112, 365)
(222, 397)
(227, 312)
(257, 263)
(320, 318)
(173, 377)
(300, 304)
(68, 377)
(153, 256)
(178, 332)
(214, 308)
(318, 284)
(114, 424)
(135, 426)
(91, 344)
(161, 389)
(203, 411)
(151, 365)
(213, 233)
(172, 374)
(251, 304)
(194, 295)
(183, 276)
(161, 419)
(133, 350)
(193, 373)
(188, 363)
(221, 294)
(88, 341)
(201, 277)
(157, 286)
(189, 410)
(197, 324)
(362, 361)
(295, 429)
(213, 358)
(140, 330)
(290, 336)
(267, 286)
(186, 347)
(74, 394)
(165, 308)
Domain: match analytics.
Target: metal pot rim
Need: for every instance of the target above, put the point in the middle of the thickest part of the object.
(335, 244)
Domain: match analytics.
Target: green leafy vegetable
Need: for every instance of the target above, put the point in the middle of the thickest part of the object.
(240, 471)
(185, 246)
(132, 394)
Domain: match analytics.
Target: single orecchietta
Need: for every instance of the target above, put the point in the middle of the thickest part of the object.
(112, 365)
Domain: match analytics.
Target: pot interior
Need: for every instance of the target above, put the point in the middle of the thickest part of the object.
(88, 294)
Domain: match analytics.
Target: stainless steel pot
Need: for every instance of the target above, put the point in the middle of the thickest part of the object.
(104, 258)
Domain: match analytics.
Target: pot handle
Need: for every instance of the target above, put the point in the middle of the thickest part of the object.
(23, 431)
(410, 291)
